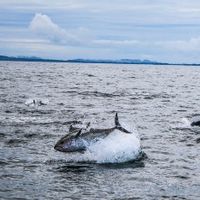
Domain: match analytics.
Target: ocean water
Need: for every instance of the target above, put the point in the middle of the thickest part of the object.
(160, 101)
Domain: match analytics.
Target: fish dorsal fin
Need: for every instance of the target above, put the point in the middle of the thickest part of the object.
(79, 133)
(117, 124)
(123, 129)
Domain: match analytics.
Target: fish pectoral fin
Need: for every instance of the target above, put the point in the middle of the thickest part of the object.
(79, 133)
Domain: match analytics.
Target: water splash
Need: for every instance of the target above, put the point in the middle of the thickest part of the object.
(36, 102)
(117, 147)
(185, 123)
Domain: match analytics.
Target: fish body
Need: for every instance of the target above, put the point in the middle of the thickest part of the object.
(78, 140)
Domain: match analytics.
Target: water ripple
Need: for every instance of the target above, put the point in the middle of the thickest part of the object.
(155, 99)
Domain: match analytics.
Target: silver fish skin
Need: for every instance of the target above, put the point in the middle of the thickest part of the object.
(77, 140)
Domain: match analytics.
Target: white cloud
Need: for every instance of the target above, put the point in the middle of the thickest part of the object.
(43, 26)
(165, 30)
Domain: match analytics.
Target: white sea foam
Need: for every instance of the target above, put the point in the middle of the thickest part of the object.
(36, 102)
(182, 123)
(116, 147)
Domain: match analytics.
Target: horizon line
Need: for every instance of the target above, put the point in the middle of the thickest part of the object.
(91, 60)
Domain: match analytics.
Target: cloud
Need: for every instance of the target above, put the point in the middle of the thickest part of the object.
(43, 26)
(193, 44)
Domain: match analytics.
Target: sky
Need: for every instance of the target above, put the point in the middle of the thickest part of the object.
(158, 30)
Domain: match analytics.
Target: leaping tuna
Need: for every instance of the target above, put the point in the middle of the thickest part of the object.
(77, 140)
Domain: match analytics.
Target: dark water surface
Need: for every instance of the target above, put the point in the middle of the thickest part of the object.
(156, 97)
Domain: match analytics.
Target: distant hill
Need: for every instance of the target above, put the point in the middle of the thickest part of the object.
(120, 61)
(23, 58)
(37, 59)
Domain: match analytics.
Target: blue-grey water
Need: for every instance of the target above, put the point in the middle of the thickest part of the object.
(159, 99)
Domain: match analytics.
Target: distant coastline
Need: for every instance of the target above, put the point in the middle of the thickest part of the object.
(106, 61)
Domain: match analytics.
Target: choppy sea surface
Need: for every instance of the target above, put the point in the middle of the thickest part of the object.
(159, 100)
